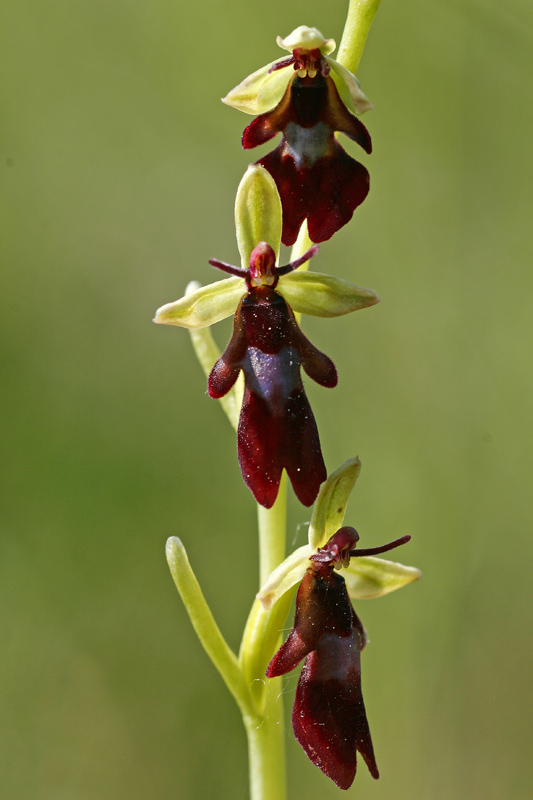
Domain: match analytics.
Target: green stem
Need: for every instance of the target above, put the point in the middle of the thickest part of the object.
(272, 532)
(266, 738)
(266, 748)
(358, 22)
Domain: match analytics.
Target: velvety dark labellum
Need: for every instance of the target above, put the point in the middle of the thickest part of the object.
(277, 428)
(316, 179)
(328, 717)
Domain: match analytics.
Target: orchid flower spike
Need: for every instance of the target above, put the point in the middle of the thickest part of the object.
(308, 97)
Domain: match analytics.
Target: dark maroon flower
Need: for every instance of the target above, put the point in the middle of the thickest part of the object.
(329, 717)
(316, 179)
(277, 429)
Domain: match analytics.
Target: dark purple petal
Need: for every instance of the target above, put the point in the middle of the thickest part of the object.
(292, 191)
(258, 132)
(266, 126)
(222, 378)
(275, 435)
(227, 368)
(277, 429)
(329, 718)
(307, 628)
(298, 262)
(259, 448)
(316, 179)
(302, 455)
(336, 186)
(340, 119)
(289, 655)
(326, 194)
(286, 62)
(319, 366)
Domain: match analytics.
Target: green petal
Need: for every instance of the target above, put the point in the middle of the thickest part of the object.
(369, 577)
(284, 577)
(203, 306)
(323, 295)
(330, 505)
(261, 91)
(348, 88)
(257, 212)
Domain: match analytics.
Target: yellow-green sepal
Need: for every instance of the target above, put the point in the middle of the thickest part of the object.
(203, 306)
(368, 577)
(348, 88)
(305, 38)
(323, 295)
(330, 505)
(262, 90)
(257, 212)
(288, 574)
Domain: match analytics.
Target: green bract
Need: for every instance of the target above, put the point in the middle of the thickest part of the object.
(366, 577)
(262, 90)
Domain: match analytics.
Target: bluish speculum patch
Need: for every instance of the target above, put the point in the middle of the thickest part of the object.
(307, 145)
(272, 376)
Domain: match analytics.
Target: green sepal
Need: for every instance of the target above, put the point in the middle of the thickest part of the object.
(349, 89)
(306, 38)
(330, 505)
(323, 295)
(368, 577)
(262, 90)
(203, 306)
(284, 577)
(257, 212)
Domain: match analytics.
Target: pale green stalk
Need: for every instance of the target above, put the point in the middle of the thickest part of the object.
(266, 748)
(262, 637)
(358, 22)
(272, 532)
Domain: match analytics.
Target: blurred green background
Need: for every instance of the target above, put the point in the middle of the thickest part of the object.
(119, 167)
